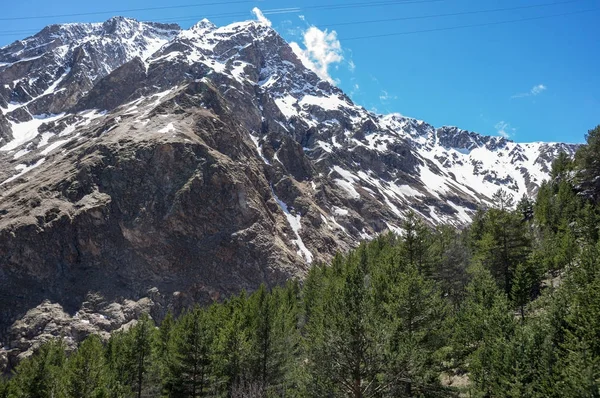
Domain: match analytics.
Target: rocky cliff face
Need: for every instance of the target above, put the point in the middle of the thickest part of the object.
(203, 161)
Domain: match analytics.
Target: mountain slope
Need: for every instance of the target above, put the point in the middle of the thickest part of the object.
(202, 161)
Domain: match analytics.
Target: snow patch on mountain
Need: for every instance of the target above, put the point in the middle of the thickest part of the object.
(27, 131)
(295, 223)
(22, 169)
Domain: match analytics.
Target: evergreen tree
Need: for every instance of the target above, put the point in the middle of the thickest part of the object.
(86, 374)
(581, 362)
(561, 166)
(416, 312)
(504, 242)
(41, 376)
(589, 222)
(118, 354)
(416, 243)
(588, 162)
(287, 339)
(522, 287)
(484, 325)
(503, 200)
(189, 371)
(263, 314)
(3, 388)
(163, 354)
(142, 336)
(452, 257)
(231, 347)
(346, 351)
(525, 208)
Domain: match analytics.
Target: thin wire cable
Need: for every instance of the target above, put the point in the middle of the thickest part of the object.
(12, 33)
(130, 10)
(465, 26)
(452, 14)
(238, 14)
(294, 10)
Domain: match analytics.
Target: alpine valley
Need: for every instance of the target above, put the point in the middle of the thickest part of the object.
(157, 167)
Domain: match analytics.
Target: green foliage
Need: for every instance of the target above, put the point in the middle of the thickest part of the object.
(189, 370)
(3, 388)
(523, 285)
(581, 362)
(416, 243)
(231, 346)
(128, 356)
(588, 165)
(502, 242)
(450, 258)
(86, 371)
(41, 375)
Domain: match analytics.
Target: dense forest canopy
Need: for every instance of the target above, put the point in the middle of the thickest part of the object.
(508, 307)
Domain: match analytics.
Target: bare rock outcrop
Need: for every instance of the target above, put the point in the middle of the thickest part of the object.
(49, 321)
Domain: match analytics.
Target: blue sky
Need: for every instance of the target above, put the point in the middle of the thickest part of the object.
(535, 80)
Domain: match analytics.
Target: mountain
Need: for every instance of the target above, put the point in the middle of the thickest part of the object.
(139, 155)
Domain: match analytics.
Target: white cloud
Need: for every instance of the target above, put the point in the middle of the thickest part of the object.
(504, 129)
(260, 16)
(385, 96)
(302, 17)
(538, 89)
(535, 90)
(351, 66)
(321, 50)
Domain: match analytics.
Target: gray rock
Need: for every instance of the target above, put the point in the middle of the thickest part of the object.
(48, 321)
(3, 361)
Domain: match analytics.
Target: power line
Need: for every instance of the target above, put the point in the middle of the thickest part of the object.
(369, 4)
(130, 10)
(366, 4)
(465, 26)
(228, 2)
(450, 14)
(330, 6)
(295, 10)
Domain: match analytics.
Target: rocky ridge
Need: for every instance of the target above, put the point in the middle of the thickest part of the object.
(203, 161)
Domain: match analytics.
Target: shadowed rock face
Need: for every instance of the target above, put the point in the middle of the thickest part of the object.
(207, 161)
(128, 210)
(5, 130)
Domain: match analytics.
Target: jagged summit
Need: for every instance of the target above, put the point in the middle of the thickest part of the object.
(137, 155)
(203, 26)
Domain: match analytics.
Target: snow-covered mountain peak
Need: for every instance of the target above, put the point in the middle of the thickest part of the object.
(202, 27)
(454, 137)
(400, 162)
(48, 72)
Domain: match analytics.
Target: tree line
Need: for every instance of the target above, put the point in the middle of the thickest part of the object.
(507, 307)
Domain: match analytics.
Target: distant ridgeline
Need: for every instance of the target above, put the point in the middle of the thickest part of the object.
(508, 307)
